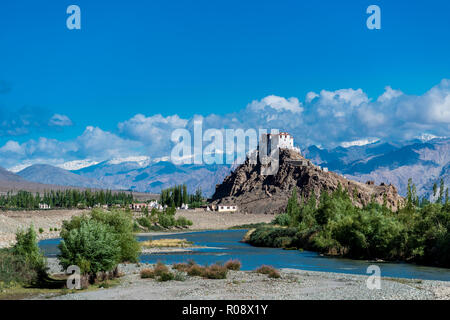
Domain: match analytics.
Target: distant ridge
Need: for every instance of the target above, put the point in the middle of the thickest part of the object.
(47, 174)
(6, 175)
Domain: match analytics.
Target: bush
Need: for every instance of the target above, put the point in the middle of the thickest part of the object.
(183, 222)
(181, 267)
(27, 247)
(160, 272)
(166, 276)
(195, 270)
(282, 219)
(179, 276)
(268, 270)
(93, 246)
(268, 236)
(121, 225)
(15, 269)
(147, 273)
(233, 265)
(215, 271)
(166, 220)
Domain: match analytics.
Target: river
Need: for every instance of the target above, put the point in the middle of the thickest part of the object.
(225, 244)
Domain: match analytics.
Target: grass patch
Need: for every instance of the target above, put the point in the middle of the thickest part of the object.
(167, 243)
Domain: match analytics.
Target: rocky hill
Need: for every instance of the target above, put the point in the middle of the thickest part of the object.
(256, 193)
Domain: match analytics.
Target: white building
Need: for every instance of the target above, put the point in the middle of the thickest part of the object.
(226, 208)
(281, 140)
(44, 206)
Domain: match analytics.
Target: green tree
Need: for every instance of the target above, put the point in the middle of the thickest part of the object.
(93, 247)
(27, 247)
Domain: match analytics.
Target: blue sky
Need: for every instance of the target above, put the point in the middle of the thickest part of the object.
(185, 58)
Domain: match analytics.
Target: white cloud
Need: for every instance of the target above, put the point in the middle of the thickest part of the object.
(389, 94)
(343, 96)
(277, 103)
(361, 142)
(60, 120)
(330, 118)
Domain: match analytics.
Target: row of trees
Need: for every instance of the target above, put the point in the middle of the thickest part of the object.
(418, 232)
(70, 198)
(178, 195)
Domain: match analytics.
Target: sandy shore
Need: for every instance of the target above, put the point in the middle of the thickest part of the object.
(11, 221)
(247, 285)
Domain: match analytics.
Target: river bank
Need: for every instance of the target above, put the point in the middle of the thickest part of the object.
(248, 285)
(11, 221)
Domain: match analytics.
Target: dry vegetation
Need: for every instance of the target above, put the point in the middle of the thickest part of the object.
(167, 243)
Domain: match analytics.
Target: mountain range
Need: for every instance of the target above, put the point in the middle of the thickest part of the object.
(426, 162)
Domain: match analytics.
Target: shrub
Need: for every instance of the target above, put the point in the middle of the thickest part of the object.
(121, 225)
(93, 246)
(41, 230)
(179, 276)
(160, 272)
(269, 236)
(282, 219)
(166, 220)
(147, 273)
(160, 269)
(195, 270)
(15, 269)
(181, 267)
(268, 270)
(27, 247)
(233, 265)
(215, 271)
(145, 222)
(274, 274)
(166, 276)
(183, 222)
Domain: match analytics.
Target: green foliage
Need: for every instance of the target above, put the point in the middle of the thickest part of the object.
(121, 225)
(282, 219)
(15, 269)
(93, 246)
(27, 247)
(336, 227)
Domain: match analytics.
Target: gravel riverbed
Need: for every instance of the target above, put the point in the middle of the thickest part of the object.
(247, 285)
